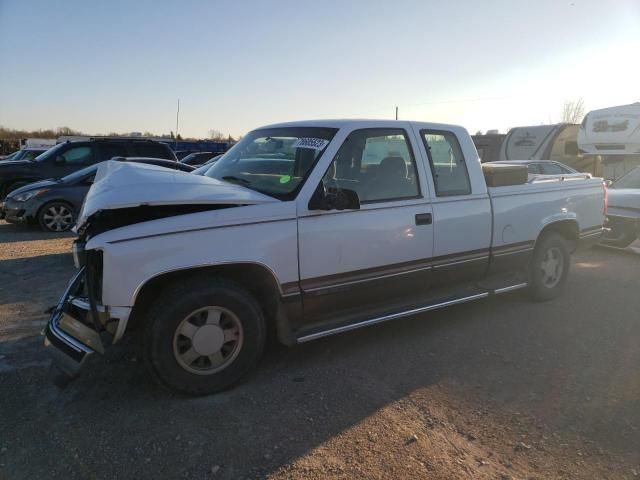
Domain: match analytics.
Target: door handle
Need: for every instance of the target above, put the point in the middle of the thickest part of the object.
(424, 219)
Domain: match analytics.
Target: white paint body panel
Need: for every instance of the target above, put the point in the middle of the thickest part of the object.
(522, 211)
(260, 234)
(340, 242)
(122, 184)
(267, 231)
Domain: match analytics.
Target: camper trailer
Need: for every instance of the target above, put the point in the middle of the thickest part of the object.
(613, 133)
(557, 142)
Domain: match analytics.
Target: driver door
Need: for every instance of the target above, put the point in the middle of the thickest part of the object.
(355, 264)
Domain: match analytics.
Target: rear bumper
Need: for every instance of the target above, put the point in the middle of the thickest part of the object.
(591, 237)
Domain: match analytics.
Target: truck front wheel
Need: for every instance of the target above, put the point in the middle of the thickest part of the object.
(202, 336)
(549, 267)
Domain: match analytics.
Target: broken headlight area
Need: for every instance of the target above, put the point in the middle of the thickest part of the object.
(105, 220)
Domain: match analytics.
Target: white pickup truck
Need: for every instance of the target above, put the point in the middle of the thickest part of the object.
(304, 230)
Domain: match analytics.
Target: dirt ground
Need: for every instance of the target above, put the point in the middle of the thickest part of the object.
(498, 389)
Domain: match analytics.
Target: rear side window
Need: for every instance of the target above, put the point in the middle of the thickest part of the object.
(152, 150)
(553, 169)
(448, 167)
(110, 150)
(78, 155)
(533, 168)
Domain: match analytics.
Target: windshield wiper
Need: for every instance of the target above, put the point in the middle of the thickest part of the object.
(231, 179)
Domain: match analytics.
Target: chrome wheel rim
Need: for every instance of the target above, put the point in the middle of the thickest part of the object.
(552, 266)
(57, 218)
(208, 340)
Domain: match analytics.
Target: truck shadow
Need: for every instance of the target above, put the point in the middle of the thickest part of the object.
(11, 233)
(557, 362)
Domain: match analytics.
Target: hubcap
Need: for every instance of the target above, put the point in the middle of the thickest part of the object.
(58, 218)
(207, 340)
(552, 266)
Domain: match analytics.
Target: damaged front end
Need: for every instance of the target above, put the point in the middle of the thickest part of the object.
(79, 324)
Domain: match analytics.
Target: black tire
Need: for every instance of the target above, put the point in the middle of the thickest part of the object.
(175, 305)
(622, 233)
(546, 276)
(67, 217)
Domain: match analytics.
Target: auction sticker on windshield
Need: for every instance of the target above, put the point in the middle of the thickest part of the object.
(314, 143)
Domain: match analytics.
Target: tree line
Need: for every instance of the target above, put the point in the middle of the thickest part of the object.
(10, 137)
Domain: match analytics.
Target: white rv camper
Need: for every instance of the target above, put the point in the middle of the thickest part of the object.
(37, 143)
(613, 133)
(556, 142)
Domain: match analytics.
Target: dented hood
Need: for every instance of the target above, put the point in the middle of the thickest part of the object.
(124, 185)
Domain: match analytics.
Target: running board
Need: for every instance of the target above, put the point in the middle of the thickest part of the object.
(407, 313)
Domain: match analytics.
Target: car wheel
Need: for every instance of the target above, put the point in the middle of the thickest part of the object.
(56, 217)
(202, 336)
(549, 267)
(622, 233)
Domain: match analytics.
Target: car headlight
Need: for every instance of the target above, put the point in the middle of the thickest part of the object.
(23, 197)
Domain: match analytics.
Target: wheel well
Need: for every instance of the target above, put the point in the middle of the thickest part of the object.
(257, 279)
(566, 228)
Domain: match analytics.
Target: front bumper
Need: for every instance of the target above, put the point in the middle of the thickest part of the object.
(72, 335)
(17, 212)
(68, 352)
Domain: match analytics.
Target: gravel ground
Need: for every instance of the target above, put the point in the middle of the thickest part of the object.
(502, 388)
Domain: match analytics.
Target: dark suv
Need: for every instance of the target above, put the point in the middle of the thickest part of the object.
(66, 158)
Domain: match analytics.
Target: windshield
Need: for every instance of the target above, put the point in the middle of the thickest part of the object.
(273, 161)
(11, 156)
(630, 180)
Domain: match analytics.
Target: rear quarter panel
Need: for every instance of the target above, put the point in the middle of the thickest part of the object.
(521, 212)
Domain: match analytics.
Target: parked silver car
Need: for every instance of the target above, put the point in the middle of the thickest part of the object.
(623, 213)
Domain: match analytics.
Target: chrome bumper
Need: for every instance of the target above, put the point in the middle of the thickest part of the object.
(71, 340)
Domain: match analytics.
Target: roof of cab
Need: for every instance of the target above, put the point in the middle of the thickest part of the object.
(363, 123)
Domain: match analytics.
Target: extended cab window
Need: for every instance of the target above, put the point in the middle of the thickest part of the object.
(448, 167)
(377, 164)
(78, 155)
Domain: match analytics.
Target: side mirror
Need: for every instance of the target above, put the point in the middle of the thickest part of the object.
(60, 160)
(342, 199)
(608, 183)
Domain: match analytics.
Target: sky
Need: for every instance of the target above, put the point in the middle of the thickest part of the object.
(118, 65)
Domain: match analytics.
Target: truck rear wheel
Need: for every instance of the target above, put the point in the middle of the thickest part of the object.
(549, 267)
(202, 336)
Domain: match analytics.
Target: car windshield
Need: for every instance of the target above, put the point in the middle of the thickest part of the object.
(630, 180)
(273, 161)
(47, 154)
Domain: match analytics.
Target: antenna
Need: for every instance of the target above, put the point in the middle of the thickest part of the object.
(177, 122)
(396, 112)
